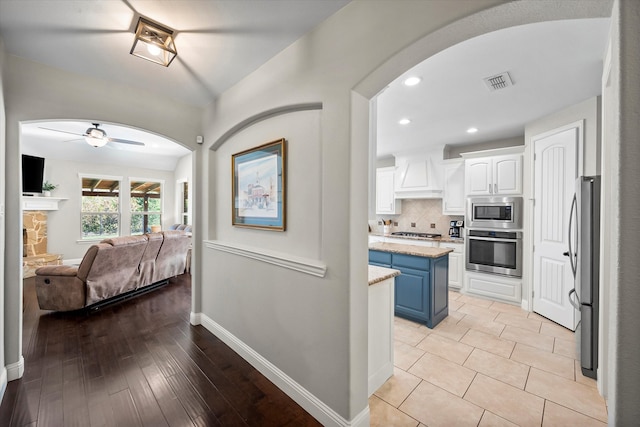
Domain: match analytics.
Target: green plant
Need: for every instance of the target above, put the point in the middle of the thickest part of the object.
(47, 186)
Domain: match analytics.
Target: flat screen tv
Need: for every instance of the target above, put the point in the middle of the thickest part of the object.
(32, 174)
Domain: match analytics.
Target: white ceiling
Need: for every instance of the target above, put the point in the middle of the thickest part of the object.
(219, 42)
(552, 64)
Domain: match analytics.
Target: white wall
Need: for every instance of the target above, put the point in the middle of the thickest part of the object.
(36, 92)
(63, 225)
(183, 173)
(3, 369)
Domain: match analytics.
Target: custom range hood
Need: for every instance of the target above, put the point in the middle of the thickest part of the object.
(419, 175)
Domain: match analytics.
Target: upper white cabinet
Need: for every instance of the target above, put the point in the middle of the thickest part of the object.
(419, 175)
(497, 175)
(386, 204)
(453, 196)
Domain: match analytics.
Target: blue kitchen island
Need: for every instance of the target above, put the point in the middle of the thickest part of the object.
(422, 288)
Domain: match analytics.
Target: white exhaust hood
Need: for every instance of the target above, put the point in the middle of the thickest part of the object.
(419, 176)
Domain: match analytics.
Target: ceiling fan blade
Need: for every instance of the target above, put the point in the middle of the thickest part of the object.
(62, 131)
(126, 141)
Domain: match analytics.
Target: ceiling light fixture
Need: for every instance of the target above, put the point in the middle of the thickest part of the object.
(96, 137)
(412, 81)
(472, 130)
(404, 121)
(154, 43)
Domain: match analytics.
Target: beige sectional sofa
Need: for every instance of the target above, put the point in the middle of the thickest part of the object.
(112, 268)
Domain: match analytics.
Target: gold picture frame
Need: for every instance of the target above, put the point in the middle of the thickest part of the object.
(259, 187)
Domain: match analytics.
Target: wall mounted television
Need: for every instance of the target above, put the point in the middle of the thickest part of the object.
(32, 174)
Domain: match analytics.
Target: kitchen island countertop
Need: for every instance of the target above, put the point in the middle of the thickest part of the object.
(398, 248)
(379, 274)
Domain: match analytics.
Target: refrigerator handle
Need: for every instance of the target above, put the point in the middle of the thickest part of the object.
(573, 303)
(572, 255)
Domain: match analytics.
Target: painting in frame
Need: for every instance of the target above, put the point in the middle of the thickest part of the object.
(258, 187)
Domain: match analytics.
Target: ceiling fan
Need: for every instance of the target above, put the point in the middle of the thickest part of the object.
(97, 137)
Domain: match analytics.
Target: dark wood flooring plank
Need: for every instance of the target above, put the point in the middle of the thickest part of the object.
(27, 403)
(124, 409)
(9, 402)
(100, 411)
(51, 412)
(75, 404)
(145, 401)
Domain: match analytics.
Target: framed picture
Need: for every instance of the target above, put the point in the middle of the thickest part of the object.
(258, 187)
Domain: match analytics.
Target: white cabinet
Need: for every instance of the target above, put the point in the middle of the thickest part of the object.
(493, 286)
(456, 264)
(385, 192)
(499, 175)
(453, 194)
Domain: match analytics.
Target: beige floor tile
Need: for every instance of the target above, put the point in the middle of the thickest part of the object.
(383, 415)
(503, 307)
(513, 404)
(477, 311)
(567, 393)
(480, 302)
(499, 368)
(565, 348)
(396, 389)
(556, 415)
(541, 359)
(527, 337)
(557, 331)
(453, 295)
(409, 334)
(581, 378)
(450, 330)
(482, 324)
(455, 305)
(446, 348)
(404, 355)
(436, 407)
(519, 321)
(488, 342)
(406, 322)
(489, 419)
(443, 373)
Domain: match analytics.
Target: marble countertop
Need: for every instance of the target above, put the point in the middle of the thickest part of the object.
(398, 248)
(378, 274)
(446, 239)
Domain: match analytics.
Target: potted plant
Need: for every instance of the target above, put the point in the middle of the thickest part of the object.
(47, 188)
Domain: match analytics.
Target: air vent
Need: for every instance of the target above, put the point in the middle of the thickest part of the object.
(499, 81)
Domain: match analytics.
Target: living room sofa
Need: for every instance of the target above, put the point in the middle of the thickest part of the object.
(113, 268)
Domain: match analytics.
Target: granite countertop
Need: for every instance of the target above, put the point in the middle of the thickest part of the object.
(446, 239)
(378, 274)
(398, 248)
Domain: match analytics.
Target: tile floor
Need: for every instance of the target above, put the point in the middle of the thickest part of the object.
(487, 364)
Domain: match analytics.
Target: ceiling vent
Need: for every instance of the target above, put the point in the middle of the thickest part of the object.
(499, 81)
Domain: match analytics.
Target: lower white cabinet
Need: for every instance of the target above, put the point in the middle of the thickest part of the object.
(456, 264)
(502, 288)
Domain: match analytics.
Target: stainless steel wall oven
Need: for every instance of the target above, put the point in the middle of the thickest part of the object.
(495, 251)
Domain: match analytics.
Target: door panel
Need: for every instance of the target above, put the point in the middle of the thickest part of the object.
(555, 169)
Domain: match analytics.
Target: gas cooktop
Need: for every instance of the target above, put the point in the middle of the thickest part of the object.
(415, 234)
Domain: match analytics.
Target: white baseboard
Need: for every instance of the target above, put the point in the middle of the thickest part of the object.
(15, 370)
(195, 318)
(380, 377)
(318, 409)
(3, 382)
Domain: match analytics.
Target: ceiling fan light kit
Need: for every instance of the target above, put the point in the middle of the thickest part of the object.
(154, 43)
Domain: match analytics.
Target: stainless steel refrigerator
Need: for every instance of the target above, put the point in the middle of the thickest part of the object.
(584, 253)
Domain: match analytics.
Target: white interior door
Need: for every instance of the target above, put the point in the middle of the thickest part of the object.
(555, 169)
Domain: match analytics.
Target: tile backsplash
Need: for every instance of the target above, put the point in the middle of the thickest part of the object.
(422, 212)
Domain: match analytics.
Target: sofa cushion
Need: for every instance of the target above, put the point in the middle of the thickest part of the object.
(148, 261)
(172, 257)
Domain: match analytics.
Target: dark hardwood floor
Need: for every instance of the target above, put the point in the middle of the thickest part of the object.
(137, 363)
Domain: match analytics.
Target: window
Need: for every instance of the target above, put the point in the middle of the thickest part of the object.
(184, 203)
(100, 216)
(146, 206)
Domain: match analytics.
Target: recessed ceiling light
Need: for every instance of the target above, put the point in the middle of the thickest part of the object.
(412, 81)
(404, 121)
(472, 130)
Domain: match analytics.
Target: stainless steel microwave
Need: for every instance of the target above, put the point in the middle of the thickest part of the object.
(494, 212)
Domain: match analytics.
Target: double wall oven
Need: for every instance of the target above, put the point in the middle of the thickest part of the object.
(494, 235)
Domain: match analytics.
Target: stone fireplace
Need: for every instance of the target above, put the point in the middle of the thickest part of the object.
(34, 238)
